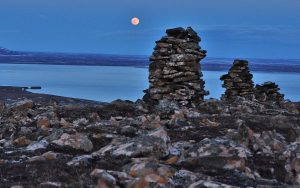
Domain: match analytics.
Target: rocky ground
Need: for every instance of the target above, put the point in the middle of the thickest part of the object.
(48, 141)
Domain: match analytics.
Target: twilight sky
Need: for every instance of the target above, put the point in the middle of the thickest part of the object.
(231, 28)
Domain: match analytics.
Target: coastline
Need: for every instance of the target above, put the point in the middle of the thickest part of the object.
(12, 94)
(208, 63)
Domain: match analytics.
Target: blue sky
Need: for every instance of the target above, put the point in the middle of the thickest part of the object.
(231, 28)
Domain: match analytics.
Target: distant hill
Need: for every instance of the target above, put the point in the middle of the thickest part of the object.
(208, 63)
(7, 52)
(14, 57)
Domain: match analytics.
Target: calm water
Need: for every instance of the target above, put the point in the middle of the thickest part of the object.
(110, 83)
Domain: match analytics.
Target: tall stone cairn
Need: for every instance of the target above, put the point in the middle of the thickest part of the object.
(238, 81)
(175, 72)
(269, 91)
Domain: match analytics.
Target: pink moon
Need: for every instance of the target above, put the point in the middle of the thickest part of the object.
(135, 21)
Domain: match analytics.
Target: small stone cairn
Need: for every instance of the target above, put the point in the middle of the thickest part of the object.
(238, 81)
(175, 72)
(269, 91)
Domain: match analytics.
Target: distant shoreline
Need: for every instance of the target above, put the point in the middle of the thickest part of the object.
(11, 94)
(206, 66)
(208, 63)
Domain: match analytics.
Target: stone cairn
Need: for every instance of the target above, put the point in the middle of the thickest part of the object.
(175, 72)
(269, 91)
(238, 81)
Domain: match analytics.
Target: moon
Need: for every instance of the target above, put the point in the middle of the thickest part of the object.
(135, 21)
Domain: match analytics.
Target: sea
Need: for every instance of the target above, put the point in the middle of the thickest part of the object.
(108, 83)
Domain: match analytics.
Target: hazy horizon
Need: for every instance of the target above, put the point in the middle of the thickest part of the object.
(231, 29)
(147, 55)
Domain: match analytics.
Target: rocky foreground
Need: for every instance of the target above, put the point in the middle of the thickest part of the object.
(72, 143)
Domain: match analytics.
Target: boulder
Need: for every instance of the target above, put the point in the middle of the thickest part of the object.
(217, 153)
(23, 104)
(43, 122)
(21, 141)
(151, 144)
(75, 141)
(148, 172)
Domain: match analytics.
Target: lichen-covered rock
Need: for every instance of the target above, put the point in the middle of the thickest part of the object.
(23, 104)
(291, 156)
(105, 179)
(218, 153)
(210, 184)
(21, 142)
(152, 144)
(48, 156)
(149, 173)
(43, 122)
(267, 142)
(76, 141)
(2, 107)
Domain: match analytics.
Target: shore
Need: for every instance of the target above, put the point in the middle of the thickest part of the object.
(208, 64)
(11, 94)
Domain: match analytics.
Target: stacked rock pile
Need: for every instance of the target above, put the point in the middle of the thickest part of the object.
(269, 91)
(238, 81)
(175, 71)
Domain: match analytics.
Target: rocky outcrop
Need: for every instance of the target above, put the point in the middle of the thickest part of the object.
(238, 81)
(269, 91)
(218, 153)
(152, 144)
(175, 72)
(244, 143)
